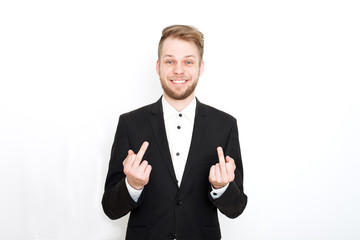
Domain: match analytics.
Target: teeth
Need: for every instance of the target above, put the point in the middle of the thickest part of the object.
(178, 81)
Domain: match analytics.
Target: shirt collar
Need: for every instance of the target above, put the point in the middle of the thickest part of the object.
(170, 111)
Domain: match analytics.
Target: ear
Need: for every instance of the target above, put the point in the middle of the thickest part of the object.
(201, 67)
(158, 67)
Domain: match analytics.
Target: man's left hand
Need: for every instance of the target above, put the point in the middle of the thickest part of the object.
(223, 172)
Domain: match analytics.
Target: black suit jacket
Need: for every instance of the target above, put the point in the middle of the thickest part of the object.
(165, 210)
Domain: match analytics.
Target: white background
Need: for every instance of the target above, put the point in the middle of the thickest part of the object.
(287, 70)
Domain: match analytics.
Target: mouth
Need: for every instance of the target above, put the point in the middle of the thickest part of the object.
(179, 80)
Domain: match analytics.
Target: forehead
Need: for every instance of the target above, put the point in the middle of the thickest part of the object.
(179, 48)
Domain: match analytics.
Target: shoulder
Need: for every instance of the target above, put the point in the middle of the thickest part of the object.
(142, 113)
(214, 113)
(138, 114)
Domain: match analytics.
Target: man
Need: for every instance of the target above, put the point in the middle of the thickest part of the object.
(168, 166)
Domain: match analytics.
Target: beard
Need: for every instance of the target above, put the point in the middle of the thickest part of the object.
(176, 94)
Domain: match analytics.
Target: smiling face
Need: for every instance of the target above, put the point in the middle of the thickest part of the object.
(179, 68)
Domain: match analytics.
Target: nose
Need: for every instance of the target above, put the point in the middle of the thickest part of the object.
(178, 68)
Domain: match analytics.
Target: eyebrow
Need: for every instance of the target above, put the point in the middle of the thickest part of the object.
(187, 56)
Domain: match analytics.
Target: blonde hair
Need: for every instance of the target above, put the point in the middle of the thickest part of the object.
(183, 32)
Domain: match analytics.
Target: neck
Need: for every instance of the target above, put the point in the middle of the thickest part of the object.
(179, 105)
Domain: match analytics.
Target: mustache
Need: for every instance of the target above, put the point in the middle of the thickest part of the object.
(179, 77)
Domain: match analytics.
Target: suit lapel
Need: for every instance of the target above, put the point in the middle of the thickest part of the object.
(158, 126)
(199, 132)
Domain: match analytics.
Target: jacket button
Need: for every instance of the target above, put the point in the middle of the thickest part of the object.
(172, 236)
(179, 203)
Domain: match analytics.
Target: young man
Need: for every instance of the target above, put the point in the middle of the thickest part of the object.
(168, 166)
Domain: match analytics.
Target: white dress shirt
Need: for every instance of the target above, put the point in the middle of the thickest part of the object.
(179, 128)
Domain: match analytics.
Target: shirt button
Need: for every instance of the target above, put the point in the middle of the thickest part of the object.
(178, 127)
(177, 154)
(180, 115)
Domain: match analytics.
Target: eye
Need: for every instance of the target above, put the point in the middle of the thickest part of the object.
(169, 62)
(189, 62)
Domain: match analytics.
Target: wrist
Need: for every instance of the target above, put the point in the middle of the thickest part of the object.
(218, 186)
(134, 185)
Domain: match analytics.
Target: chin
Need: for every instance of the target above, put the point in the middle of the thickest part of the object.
(178, 95)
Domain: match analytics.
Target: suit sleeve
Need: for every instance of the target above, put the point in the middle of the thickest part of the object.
(233, 201)
(116, 201)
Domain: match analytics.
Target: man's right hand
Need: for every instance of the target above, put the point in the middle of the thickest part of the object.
(137, 171)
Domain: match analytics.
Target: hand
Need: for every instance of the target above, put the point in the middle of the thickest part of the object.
(223, 172)
(137, 171)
